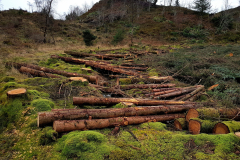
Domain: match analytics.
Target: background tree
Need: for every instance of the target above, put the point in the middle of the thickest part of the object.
(74, 13)
(202, 6)
(0, 5)
(177, 3)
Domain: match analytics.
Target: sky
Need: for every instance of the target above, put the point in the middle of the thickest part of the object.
(62, 6)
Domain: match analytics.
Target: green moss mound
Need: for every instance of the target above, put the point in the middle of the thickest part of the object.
(42, 104)
(7, 79)
(48, 136)
(154, 125)
(84, 145)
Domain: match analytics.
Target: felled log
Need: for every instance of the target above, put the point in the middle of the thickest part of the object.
(48, 70)
(193, 93)
(37, 73)
(155, 79)
(16, 92)
(197, 126)
(145, 86)
(99, 56)
(134, 65)
(133, 68)
(146, 79)
(113, 101)
(162, 89)
(176, 93)
(72, 125)
(226, 127)
(220, 113)
(180, 123)
(162, 92)
(192, 113)
(96, 65)
(45, 118)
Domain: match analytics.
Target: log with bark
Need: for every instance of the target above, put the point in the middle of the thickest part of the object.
(113, 101)
(146, 86)
(177, 93)
(197, 126)
(72, 125)
(48, 70)
(146, 79)
(99, 56)
(226, 127)
(16, 92)
(133, 68)
(198, 89)
(97, 65)
(37, 73)
(180, 124)
(134, 65)
(45, 118)
(220, 113)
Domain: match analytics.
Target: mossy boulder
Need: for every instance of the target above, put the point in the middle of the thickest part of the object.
(42, 105)
(84, 145)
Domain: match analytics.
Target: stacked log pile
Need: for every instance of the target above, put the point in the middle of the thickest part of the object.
(65, 120)
(196, 125)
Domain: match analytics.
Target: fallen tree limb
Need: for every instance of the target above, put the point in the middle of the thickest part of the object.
(134, 65)
(200, 88)
(176, 93)
(146, 79)
(37, 73)
(45, 118)
(113, 101)
(99, 56)
(72, 125)
(97, 65)
(48, 70)
(145, 86)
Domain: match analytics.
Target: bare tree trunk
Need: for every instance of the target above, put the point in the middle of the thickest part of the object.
(47, 20)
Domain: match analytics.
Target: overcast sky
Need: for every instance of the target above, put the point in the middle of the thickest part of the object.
(63, 5)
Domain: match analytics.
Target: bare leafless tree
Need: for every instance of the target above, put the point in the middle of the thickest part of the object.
(1, 6)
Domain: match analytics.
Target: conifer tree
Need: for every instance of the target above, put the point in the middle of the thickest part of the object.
(202, 5)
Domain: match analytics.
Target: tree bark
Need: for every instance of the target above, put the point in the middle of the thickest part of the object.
(72, 125)
(113, 101)
(180, 123)
(197, 126)
(226, 127)
(45, 118)
(145, 86)
(48, 70)
(37, 73)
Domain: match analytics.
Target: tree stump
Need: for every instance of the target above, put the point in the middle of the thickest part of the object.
(78, 79)
(16, 92)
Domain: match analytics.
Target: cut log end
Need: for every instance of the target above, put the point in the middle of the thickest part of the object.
(16, 92)
(178, 125)
(192, 113)
(87, 70)
(194, 126)
(221, 128)
(78, 79)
